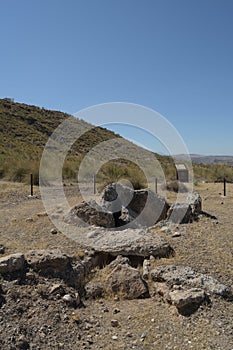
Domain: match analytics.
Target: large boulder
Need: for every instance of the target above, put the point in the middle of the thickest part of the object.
(48, 261)
(54, 263)
(145, 208)
(184, 213)
(180, 213)
(12, 263)
(126, 282)
(92, 214)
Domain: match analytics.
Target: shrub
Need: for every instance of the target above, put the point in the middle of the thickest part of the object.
(175, 186)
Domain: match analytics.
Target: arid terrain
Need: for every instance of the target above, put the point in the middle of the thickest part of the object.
(33, 318)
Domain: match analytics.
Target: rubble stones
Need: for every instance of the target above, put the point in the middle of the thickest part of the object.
(185, 276)
(48, 261)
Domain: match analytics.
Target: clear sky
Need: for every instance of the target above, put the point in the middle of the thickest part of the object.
(174, 56)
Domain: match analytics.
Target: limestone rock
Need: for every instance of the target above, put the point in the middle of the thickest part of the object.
(195, 201)
(119, 260)
(92, 214)
(12, 263)
(48, 261)
(185, 276)
(93, 290)
(187, 301)
(146, 268)
(54, 263)
(130, 242)
(147, 207)
(126, 281)
(180, 213)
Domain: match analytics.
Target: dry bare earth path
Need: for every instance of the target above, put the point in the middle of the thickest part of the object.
(206, 245)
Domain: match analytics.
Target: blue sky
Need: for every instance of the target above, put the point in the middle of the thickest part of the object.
(174, 56)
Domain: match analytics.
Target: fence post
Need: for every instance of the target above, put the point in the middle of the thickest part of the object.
(31, 184)
(156, 185)
(224, 187)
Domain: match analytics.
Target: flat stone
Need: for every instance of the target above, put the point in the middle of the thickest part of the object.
(129, 242)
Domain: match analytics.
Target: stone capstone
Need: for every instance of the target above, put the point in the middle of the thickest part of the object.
(129, 242)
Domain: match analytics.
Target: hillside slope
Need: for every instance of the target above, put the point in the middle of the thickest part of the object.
(25, 130)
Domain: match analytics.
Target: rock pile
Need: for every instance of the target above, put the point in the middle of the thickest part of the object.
(185, 288)
(123, 207)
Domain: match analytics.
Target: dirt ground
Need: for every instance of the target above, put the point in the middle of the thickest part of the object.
(205, 245)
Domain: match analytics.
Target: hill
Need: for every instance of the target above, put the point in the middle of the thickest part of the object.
(25, 130)
(201, 159)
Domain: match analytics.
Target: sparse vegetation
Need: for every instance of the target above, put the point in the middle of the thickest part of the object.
(175, 186)
(25, 130)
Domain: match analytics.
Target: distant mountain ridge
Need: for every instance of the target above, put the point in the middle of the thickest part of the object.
(203, 159)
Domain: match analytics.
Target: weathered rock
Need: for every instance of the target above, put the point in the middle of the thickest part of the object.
(48, 261)
(54, 263)
(126, 282)
(146, 269)
(147, 207)
(185, 276)
(187, 301)
(12, 263)
(129, 242)
(180, 213)
(119, 260)
(93, 290)
(2, 249)
(92, 214)
(195, 201)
